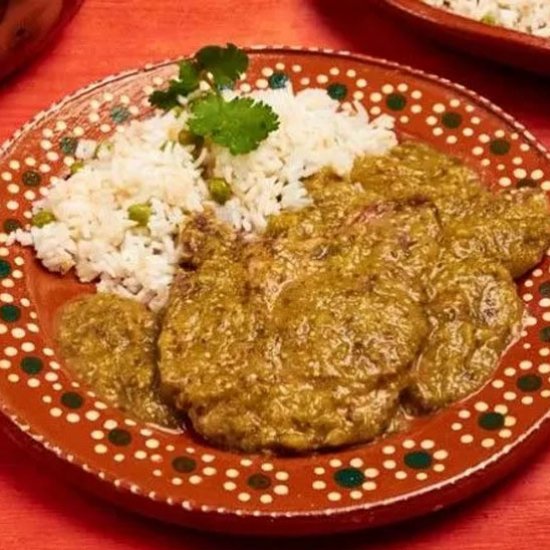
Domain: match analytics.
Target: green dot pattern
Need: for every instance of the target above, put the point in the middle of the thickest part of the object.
(5, 268)
(529, 382)
(526, 182)
(10, 313)
(499, 147)
(31, 178)
(11, 225)
(451, 120)
(418, 460)
(184, 464)
(72, 400)
(544, 289)
(32, 365)
(68, 145)
(396, 102)
(544, 334)
(259, 482)
(349, 477)
(120, 114)
(337, 91)
(277, 80)
(119, 437)
(491, 421)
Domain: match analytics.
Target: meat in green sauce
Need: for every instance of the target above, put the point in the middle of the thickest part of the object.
(110, 343)
(393, 289)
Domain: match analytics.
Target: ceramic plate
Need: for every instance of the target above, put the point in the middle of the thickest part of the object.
(507, 46)
(172, 476)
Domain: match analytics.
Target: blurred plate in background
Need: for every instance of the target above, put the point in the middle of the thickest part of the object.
(507, 46)
(28, 26)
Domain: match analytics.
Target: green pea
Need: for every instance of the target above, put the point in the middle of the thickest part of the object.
(185, 137)
(178, 111)
(76, 166)
(220, 191)
(489, 19)
(42, 218)
(104, 145)
(140, 213)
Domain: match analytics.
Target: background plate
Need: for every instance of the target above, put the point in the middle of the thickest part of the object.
(29, 26)
(507, 46)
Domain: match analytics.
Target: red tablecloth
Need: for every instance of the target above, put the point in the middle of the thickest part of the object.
(38, 512)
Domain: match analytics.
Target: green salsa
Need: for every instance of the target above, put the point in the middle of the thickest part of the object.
(392, 294)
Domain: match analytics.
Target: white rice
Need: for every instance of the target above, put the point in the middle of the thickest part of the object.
(529, 16)
(94, 235)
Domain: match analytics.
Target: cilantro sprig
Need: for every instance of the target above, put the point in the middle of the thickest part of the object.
(239, 124)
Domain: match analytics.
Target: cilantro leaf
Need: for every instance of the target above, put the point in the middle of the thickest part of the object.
(165, 100)
(240, 124)
(188, 81)
(189, 76)
(226, 64)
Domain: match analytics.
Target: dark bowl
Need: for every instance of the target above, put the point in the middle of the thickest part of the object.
(27, 27)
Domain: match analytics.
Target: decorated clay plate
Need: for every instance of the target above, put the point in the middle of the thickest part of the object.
(507, 46)
(175, 477)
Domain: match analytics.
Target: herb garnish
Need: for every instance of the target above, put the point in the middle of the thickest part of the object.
(239, 124)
